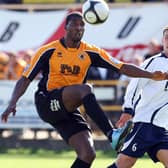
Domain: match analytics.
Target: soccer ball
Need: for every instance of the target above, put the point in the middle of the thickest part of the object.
(95, 11)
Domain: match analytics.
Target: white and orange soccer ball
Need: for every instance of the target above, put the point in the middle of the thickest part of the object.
(95, 11)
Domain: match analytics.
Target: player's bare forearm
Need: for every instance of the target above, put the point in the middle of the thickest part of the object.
(134, 71)
(19, 90)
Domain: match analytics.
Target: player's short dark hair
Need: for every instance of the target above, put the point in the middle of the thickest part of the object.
(72, 15)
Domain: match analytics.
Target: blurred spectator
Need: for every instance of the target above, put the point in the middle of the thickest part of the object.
(137, 59)
(93, 74)
(112, 75)
(4, 60)
(108, 74)
(27, 55)
(96, 73)
(16, 66)
(154, 47)
(103, 73)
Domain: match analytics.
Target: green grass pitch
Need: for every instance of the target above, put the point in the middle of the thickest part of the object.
(26, 158)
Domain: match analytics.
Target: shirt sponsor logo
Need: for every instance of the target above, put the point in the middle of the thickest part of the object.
(70, 70)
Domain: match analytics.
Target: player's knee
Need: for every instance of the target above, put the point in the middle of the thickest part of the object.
(124, 161)
(165, 163)
(86, 89)
(90, 87)
(88, 155)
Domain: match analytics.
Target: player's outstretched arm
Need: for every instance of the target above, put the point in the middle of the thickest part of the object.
(19, 90)
(134, 71)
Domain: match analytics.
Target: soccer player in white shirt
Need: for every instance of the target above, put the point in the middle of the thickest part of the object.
(147, 102)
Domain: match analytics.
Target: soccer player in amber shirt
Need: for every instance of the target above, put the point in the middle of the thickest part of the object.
(62, 89)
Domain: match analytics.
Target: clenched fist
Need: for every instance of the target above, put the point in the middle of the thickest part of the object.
(158, 75)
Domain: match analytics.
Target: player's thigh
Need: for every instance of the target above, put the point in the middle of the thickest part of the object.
(50, 106)
(124, 161)
(162, 155)
(72, 95)
(71, 126)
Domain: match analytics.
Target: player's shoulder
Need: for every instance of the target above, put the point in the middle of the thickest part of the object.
(154, 60)
(157, 57)
(49, 46)
(90, 47)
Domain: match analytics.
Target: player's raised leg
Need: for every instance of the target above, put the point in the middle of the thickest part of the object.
(74, 96)
(118, 135)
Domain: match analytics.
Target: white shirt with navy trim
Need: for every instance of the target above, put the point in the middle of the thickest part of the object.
(149, 98)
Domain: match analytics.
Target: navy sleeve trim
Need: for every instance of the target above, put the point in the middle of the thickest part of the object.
(129, 111)
(97, 61)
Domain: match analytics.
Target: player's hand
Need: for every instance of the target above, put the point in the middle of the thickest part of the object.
(10, 109)
(123, 120)
(158, 75)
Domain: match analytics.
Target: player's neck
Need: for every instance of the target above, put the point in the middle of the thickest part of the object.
(71, 44)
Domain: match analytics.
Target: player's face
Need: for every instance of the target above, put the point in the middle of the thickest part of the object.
(165, 42)
(75, 29)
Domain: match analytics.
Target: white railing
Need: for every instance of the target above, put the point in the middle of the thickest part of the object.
(27, 117)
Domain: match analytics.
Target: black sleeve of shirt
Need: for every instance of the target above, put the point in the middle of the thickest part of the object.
(42, 64)
(98, 61)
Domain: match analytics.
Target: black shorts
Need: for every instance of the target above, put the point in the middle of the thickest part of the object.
(51, 110)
